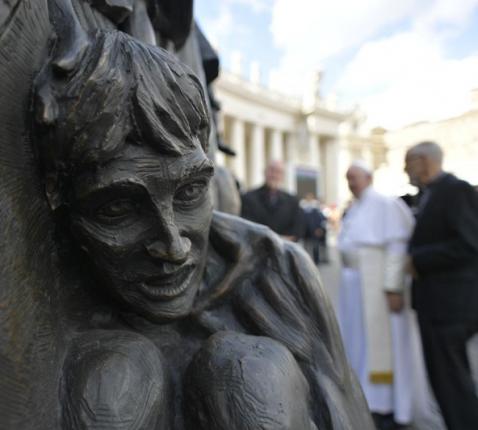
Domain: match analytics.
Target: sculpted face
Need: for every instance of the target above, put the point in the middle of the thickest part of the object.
(121, 135)
(143, 219)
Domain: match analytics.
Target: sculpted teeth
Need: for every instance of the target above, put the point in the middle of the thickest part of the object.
(166, 291)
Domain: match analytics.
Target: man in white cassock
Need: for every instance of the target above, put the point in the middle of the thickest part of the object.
(373, 312)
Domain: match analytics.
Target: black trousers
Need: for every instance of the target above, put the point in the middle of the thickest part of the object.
(446, 359)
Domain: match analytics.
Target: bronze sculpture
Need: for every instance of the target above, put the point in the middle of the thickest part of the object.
(150, 310)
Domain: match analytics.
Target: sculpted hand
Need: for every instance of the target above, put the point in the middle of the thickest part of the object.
(269, 306)
(395, 302)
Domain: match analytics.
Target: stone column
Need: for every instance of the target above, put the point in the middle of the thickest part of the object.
(276, 146)
(290, 162)
(238, 136)
(367, 155)
(257, 156)
(314, 152)
(332, 151)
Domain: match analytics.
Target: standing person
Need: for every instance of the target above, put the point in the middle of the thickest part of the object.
(444, 260)
(323, 247)
(315, 228)
(271, 206)
(373, 316)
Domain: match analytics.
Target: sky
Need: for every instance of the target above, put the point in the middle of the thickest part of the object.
(401, 61)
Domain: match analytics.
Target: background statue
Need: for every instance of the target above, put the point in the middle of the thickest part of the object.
(125, 301)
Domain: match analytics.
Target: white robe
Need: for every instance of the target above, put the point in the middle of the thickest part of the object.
(373, 241)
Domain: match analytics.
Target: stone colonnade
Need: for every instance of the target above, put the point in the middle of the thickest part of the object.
(261, 126)
(256, 145)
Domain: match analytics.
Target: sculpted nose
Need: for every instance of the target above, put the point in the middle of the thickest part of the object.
(171, 247)
(173, 250)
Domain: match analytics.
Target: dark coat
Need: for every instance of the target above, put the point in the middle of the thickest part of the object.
(284, 216)
(444, 249)
(314, 219)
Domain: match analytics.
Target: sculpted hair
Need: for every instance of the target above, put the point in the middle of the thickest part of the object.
(120, 92)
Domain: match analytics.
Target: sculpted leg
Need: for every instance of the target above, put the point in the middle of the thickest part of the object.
(240, 382)
(114, 380)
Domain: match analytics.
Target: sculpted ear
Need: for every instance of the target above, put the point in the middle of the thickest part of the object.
(72, 39)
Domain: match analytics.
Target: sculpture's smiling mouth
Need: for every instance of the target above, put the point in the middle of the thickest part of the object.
(168, 286)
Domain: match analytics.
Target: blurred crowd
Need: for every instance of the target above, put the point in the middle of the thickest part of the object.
(408, 294)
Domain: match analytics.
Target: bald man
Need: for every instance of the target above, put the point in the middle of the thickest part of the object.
(372, 314)
(444, 260)
(273, 207)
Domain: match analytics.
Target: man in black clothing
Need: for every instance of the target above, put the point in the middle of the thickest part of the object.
(413, 201)
(444, 260)
(271, 206)
(315, 229)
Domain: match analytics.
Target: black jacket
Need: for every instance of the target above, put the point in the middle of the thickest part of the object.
(314, 219)
(284, 215)
(444, 249)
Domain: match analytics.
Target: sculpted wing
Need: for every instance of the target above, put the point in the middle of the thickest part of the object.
(31, 335)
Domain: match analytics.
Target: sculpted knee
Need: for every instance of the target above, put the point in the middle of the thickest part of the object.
(246, 382)
(115, 380)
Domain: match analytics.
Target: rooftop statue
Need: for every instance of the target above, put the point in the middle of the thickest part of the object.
(127, 303)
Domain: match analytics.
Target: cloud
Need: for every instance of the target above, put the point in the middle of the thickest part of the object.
(311, 31)
(394, 53)
(406, 77)
(257, 6)
(450, 13)
(326, 28)
(220, 27)
(225, 28)
(322, 28)
(377, 64)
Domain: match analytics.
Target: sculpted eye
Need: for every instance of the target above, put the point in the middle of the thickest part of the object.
(116, 209)
(191, 193)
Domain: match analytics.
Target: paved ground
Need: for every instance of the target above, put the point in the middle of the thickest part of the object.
(330, 274)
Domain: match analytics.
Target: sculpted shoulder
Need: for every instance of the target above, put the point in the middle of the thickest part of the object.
(113, 379)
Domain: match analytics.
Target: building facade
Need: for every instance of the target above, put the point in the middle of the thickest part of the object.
(261, 125)
(458, 137)
(317, 142)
